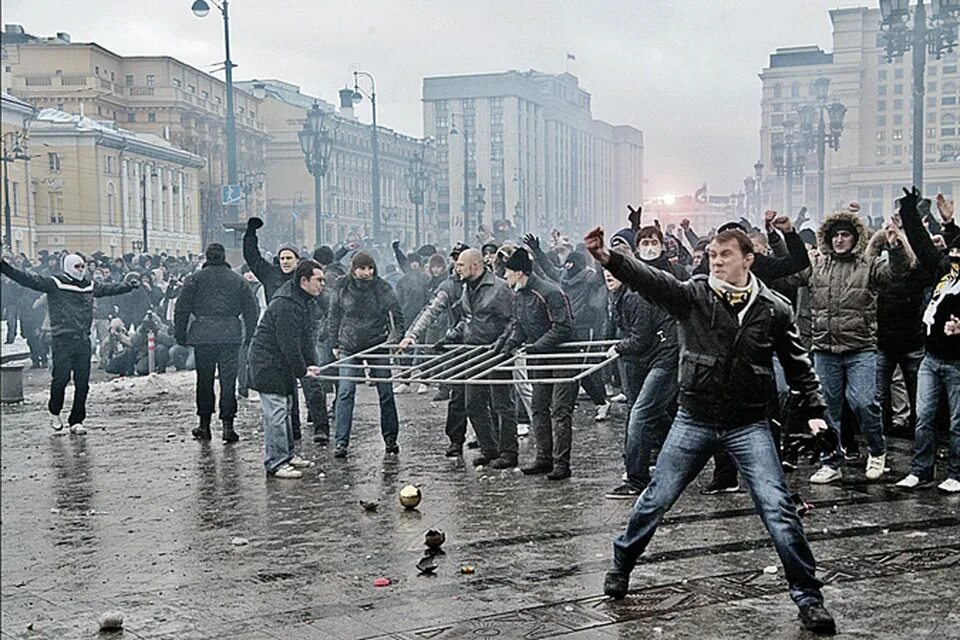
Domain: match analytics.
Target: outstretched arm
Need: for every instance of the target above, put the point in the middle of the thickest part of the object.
(28, 280)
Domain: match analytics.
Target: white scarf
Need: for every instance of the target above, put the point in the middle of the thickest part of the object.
(724, 289)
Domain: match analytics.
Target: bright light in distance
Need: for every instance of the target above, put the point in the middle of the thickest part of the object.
(669, 199)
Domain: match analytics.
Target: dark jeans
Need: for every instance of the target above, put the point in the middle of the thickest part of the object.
(491, 412)
(552, 419)
(938, 379)
(123, 364)
(71, 357)
(851, 376)
(243, 373)
(456, 427)
(316, 405)
(909, 365)
(688, 446)
(650, 418)
(209, 358)
(346, 395)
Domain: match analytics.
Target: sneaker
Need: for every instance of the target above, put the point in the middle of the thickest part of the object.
(715, 487)
(504, 462)
(56, 423)
(538, 467)
(481, 460)
(299, 463)
(950, 485)
(320, 438)
(401, 388)
(826, 475)
(455, 450)
(473, 444)
(619, 398)
(817, 619)
(625, 491)
(603, 411)
(422, 389)
(876, 465)
(616, 584)
(77, 430)
(560, 472)
(912, 482)
(202, 432)
(287, 472)
(523, 430)
(340, 451)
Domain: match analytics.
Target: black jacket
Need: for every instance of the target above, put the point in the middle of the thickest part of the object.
(769, 268)
(216, 297)
(487, 308)
(725, 366)
(587, 293)
(363, 313)
(282, 347)
(69, 302)
(649, 333)
(413, 292)
(269, 274)
(542, 317)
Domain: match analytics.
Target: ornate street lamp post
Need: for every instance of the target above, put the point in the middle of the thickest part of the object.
(788, 161)
(479, 192)
(416, 178)
(358, 94)
(316, 142)
(815, 134)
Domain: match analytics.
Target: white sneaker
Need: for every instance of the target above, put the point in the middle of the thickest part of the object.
(56, 423)
(603, 411)
(826, 475)
(619, 398)
(523, 429)
(949, 486)
(78, 430)
(286, 472)
(401, 388)
(422, 389)
(876, 466)
(300, 463)
(911, 482)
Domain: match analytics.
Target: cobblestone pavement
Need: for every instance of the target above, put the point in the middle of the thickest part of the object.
(137, 517)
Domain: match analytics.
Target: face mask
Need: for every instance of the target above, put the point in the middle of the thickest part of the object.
(517, 286)
(648, 252)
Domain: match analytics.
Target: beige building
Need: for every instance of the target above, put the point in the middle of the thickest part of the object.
(16, 173)
(532, 143)
(347, 188)
(92, 185)
(158, 95)
(875, 156)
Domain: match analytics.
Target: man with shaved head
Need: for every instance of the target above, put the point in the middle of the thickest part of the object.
(487, 310)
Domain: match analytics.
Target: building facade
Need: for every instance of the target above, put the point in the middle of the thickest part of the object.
(158, 95)
(16, 174)
(92, 187)
(530, 140)
(347, 186)
(875, 156)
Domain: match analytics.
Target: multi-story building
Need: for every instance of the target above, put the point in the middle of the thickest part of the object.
(875, 156)
(16, 173)
(159, 95)
(347, 187)
(92, 187)
(532, 142)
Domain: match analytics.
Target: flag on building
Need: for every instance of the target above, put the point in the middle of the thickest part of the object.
(701, 194)
(570, 56)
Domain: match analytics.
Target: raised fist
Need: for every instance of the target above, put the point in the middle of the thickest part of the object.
(254, 223)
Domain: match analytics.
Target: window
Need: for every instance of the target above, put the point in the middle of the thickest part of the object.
(96, 70)
(442, 156)
(897, 150)
(468, 104)
(205, 94)
(53, 161)
(882, 90)
(112, 77)
(151, 116)
(441, 106)
(948, 131)
(898, 74)
(15, 197)
(441, 139)
(191, 88)
(128, 80)
(111, 204)
(898, 134)
(496, 119)
(948, 100)
(898, 89)
(881, 152)
(881, 121)
(442, 123)
(949, 88)
(931, 148)
(931, 102)
(777, 91)
(949, 69)
(881, 105)
(55, 207)
(108, 164)
(931, 132)
(151, 80)
(898, 119)
(882, 75)
(931, 87)
(795, 90)
(177, 83)
(898, 104)
(496, 103)
(131, 116)
(881, 136)
(776, 120)
(778, 107)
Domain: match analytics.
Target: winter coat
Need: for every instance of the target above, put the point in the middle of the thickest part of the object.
(70, 302)
(215, 298)
(486, 308)
(900, 303)
(282, 347)
(727, 364)
(649, 333)
(413, 292)
(542, 317)
(363, 313)
(269, 274)
(587, 293)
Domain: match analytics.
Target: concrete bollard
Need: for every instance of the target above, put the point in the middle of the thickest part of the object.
(11, 383)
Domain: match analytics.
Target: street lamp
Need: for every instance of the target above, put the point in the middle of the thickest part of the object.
(249, 182)
(316, 142)
(416, 179)
(200, 9)
(143, 197)
(519, 209)
(815, 134)
(937, 35)
(9, 155)
(466, 176)
(788, 160)
(358, 94)
(479, 192)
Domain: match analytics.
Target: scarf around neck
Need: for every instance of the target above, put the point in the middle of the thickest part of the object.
(739, 299)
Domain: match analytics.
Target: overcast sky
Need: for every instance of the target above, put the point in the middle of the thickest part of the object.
(683, 71)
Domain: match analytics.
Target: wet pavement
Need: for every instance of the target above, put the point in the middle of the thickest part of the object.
(137, 517)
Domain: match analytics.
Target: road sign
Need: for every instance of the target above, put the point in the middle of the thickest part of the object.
(231, 194)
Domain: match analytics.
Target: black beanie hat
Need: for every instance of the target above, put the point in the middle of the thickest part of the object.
(288, 246)
(844, 225)
(458, 249)
(490, 247)
(323, 255)
(577, 262)
(362, 259)
(215, 252)
(520, 261)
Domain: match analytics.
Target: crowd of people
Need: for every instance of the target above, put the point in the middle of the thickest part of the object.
(755, 346)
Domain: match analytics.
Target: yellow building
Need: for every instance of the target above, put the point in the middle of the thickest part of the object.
(93, 185)
(16, 174)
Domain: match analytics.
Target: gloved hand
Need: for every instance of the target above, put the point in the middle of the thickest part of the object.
(910, 199)
(635, 217)
(532, 241)
(439, 344)
(395, 244)
(254, 223)
(612, 351)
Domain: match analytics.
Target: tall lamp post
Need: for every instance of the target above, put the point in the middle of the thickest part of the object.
(479, 192)
(9, 155)
(936, 35)
(143, 197)
(249, 182)
(466, 177)
(813, 129)
(416, 178)
(200, 9)
(316, 144)
(358, 94)
(788, 161)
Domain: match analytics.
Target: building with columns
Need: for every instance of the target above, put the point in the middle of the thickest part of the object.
(16, 173)
(93, 185)
(874, 159)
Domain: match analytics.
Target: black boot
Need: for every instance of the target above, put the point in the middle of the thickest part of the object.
(538, 467)
(321, 434)
(817, 619)
(560, 472)
(296, 431)
(616, 584)
(203, 431)
(229, 435)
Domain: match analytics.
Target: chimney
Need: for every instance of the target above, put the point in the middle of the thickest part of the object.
(346, 104)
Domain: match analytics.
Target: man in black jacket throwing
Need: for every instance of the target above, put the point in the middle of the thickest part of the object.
(215, 298)
(730, 326)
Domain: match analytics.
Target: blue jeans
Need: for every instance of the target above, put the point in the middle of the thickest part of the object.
(650, 417)
(689, 444)
(886, 364)
(277, 430)
(853, 376)
(346, 394)
(937, 379)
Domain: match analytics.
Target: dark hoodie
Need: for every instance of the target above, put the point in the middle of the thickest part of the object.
(363, 313)
(282, 347)
(269, 274)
